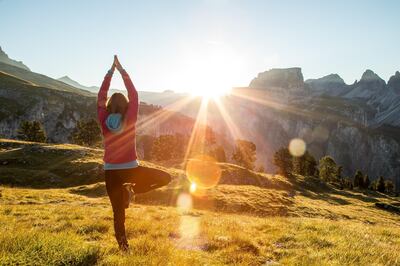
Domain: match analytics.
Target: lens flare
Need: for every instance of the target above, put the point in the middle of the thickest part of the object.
(184, 202)
(203, 171)
(297, 147)
(193, 187)
(189, 227)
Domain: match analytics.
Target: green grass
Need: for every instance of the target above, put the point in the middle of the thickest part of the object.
(248, 219)
(53, 226)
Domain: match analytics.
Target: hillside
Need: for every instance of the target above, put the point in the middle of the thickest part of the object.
(7, 60)
(59, 110)
(247, 219)
(328, 114)
(40, 80)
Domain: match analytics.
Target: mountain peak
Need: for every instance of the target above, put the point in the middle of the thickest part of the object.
(6, 60)
(370, 75)
(65, 78)
(333, 78)
(71, 82)
(394, 82)
(331, 84)
(287, 78)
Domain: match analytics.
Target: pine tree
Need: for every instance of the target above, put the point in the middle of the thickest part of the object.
(219, 154)
(358, 179)
(245, 153)
(298, 165)
(31, 131)
(310, 164)
(339, 172)
(380, 186)
(327, 169)
(261, 169)
(389, 186)
(146, 143)
(163, 148)
(366, 182)
(86, 132)
(304, 165)
(283, 161)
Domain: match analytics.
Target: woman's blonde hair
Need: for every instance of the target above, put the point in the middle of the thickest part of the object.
(117, 103)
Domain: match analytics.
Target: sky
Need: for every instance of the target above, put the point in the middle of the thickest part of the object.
(186, 45)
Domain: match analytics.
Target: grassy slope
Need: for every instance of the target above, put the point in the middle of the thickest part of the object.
(273, 220)
(40, 80)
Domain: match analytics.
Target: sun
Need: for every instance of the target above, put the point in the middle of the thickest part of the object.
(212, 92)
(210, 71)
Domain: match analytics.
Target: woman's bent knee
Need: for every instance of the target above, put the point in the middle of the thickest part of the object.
(166, 178)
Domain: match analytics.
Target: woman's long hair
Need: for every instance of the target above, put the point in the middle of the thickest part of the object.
(117, 103)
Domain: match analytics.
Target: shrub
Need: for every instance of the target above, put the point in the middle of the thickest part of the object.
(358, 180)
(245, 153)
(380, 186)
(86, 132)
(366, 182)
(328, 169)
(305, 164)
(145, 142)
(389, 186)
(31, 131)
(167, 147)
(219, 154)
(283, 161)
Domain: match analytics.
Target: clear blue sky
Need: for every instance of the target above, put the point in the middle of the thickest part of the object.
(169, 44)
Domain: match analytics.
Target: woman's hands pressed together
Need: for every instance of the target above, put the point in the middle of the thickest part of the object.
(117, 64)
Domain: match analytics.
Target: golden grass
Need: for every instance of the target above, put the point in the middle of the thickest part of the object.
(248, 219)
(47, 227)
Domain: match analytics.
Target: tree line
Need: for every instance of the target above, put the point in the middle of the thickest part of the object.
(327, 170)
(174, 147)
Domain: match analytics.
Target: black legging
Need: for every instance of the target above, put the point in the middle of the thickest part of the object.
(144, 178)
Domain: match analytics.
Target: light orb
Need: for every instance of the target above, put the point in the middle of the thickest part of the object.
(297, 147)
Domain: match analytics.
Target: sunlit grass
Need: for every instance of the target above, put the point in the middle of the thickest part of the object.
(78, 230)
(248, 218)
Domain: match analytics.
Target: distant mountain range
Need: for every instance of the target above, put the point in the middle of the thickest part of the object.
(69, 81)
(357, 124)
(164, 99)
(59, 105)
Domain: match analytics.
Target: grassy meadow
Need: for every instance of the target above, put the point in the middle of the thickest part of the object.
(54, 211)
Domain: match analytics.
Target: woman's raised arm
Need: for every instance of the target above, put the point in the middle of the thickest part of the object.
(132, 92)
(102, 95)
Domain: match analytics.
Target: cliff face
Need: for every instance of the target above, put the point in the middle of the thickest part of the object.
(358, 124)
(394, 82)
(59, 111)
(290, 78)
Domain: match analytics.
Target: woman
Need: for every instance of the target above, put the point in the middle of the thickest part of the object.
(117, 118)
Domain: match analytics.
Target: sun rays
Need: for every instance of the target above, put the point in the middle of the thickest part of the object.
(202, 172)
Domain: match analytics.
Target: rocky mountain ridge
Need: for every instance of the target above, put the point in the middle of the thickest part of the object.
(357, 124)
(27, 96)
(5, 59)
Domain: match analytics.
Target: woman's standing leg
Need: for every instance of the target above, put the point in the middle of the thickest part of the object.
(115, 193)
